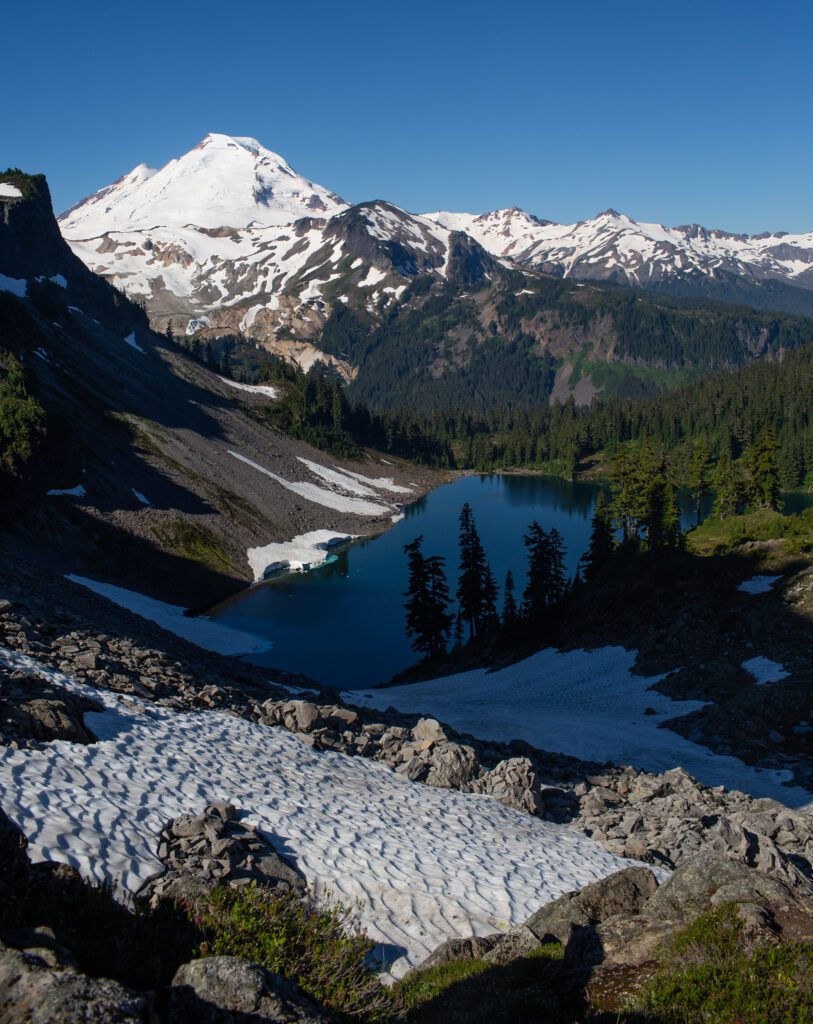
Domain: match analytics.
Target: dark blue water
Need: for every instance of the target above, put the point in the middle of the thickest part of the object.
(343, 624)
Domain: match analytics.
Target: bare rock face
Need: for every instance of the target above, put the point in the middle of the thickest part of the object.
(229, 990)
(33, 992)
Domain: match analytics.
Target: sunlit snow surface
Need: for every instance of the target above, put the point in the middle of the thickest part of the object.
(423, 864)
(9, 191)
(304, 552)
(586, 703)
(211, 636)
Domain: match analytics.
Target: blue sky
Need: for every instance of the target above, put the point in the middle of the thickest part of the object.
(668, 112)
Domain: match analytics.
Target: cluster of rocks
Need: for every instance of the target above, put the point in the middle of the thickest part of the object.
(613, 931)
(202, 850)
(657, 818)
(424, 752)
(34, 710)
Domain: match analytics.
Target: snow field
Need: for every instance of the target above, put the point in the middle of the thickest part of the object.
(211, 636)
(589, 704)
(422, 864)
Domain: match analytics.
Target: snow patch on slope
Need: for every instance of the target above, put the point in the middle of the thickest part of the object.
(422, 864)
(308, 551)
(589, 704)
(211, 636)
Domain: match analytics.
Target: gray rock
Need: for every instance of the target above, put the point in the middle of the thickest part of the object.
(429, 729)
(33, 992)
(229, 990)
(474, 948)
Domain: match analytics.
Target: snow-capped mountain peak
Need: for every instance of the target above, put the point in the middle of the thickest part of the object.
(223, 181)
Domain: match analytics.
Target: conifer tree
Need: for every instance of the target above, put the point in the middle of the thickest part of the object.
(476, 590)
(547, 584)
(510, 612)
(726, 492)
(765, 487)
(700, 476)
(602, 541)
(428, 622)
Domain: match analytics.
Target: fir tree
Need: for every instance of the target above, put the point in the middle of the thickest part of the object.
(765, 488)
(602, 541)
(473, 582)
(700, 476)
(547, 583)
(510, 612)
(726, 492)
(428, 622)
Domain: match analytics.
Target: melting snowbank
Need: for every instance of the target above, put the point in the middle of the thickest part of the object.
(305, 552)
(589, 704)
(202, 632)
(422, 864)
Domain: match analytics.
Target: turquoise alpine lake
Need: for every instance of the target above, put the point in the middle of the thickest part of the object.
(343, 623)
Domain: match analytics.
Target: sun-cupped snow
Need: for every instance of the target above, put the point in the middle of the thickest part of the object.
(420, 865)
(320, 495)
(72, 492)
(758, 584)
(589, 704)
(257, 389)
(198, 630)
(305, 552)
(613, 246)
(16, 285)
(764, 670)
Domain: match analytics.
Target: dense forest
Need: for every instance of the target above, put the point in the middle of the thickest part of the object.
(443, 350)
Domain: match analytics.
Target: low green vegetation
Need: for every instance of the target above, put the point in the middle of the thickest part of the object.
(22, 418)
(712, 976)
(317, 944)
(479, 992)
(194, 542)
(716, 536)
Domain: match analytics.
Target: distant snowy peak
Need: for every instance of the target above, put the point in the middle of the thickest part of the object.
(613, 247)
(224, 181)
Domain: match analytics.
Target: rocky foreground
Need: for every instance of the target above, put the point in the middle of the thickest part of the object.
(722, 847)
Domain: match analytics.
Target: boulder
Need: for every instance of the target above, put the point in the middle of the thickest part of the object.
(514, 783)
(230, 990)
(429, 729)
(33, 992)
(473, 948)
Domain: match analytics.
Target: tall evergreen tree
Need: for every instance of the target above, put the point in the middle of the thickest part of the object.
(726, 491)
(602, 541)
(700, 476)
(475, 581)
(510, 612)
(547, 583)
(428, 622)
(763, 463)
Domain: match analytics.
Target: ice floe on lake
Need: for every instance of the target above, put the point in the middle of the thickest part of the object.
(307, 551)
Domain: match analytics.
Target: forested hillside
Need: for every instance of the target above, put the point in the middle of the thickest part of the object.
(513, 344)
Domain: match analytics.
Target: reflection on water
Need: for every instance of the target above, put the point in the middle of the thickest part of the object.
(343, 623)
